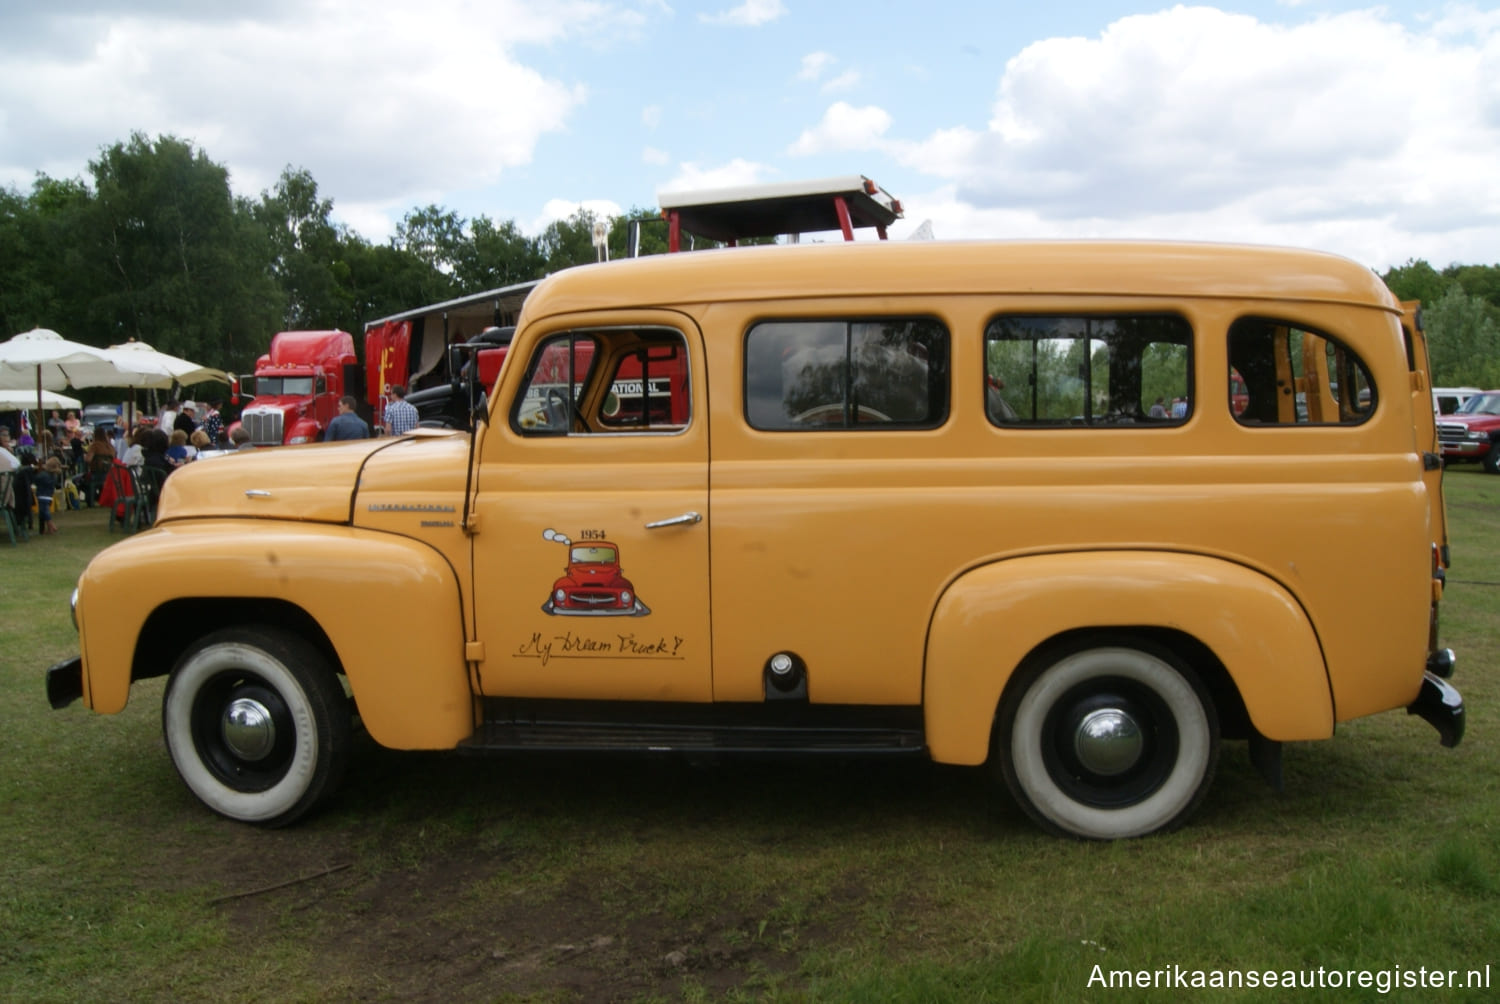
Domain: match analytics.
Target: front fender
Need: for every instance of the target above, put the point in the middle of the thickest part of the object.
(991, 618)
(390, 607)
(304, 430)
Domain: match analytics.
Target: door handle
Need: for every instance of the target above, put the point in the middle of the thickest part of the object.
(683, 520)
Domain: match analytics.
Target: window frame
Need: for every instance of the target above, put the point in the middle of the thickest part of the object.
(598, 334)
(849, 323)
(1092, 421)
(1353, 357)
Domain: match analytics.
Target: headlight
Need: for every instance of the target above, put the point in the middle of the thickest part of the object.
(304, 439)
(1478, 436)
(625, 597)
(559, 596)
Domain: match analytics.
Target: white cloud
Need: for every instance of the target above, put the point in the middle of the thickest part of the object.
(332, 87)
(814, 64)
(750, 14)
(844, 127)
(651, 155)
(845, 81)
(651, 116)
(691, 177)
(564, 209)
(1348, 132)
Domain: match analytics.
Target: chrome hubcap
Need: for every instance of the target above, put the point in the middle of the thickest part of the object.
(248, 729)
(1108, 741)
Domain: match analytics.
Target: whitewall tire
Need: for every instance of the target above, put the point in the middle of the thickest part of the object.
(257, 725)
(1107, 741)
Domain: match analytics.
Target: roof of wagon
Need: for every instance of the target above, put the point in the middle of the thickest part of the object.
(1122, 268)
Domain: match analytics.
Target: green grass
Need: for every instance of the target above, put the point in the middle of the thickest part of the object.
(558, 879)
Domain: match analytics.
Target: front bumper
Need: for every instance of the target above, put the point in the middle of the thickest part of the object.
(65, 682)
(1440, 705)
(1466, 450)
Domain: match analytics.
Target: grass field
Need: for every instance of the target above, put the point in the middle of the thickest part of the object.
(439, 877)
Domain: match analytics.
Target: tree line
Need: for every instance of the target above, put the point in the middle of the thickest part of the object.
(154, 246)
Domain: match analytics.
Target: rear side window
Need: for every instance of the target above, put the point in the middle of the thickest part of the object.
(846, 374)
(1284, 374)
(1047, 370)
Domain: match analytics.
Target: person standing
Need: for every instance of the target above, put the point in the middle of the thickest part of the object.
(346, 424)
(213, 424)
(47, 482)
(186, 421)
(400, 415)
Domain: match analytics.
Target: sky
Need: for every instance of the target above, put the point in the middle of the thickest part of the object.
(1370, 131)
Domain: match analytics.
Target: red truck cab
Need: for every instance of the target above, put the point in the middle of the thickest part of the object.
(1473, 432)
(298, 384)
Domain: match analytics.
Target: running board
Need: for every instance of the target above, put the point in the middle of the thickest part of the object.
(667, 728)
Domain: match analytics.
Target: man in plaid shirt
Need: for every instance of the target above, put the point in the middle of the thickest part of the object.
(400, 417)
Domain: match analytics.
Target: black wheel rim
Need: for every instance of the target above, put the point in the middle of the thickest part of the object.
(209, 707)
(1130, 784)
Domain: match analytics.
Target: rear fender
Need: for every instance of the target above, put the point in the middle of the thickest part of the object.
(991, 618)
(389, 607)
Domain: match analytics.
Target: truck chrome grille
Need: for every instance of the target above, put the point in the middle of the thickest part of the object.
(265, 427)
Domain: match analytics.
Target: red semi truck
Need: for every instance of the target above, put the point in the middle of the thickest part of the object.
(298, 384)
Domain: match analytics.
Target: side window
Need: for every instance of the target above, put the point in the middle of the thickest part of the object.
(550, 401)
(1045, 370)
(615, 380)
(1282, 374)
(846, 374)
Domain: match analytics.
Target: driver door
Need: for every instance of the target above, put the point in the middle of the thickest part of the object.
(591, 560)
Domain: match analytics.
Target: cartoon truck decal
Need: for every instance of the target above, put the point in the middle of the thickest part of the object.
(592, 585)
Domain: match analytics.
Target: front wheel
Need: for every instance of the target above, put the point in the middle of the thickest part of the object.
(1107, 742)
(1492, 460)
(257, 725)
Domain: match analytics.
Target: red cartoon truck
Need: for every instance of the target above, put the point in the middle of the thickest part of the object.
(592, 584)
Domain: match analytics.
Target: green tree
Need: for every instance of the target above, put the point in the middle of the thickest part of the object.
(182, 264)
(569, 242)
(495, 255)
(307, 249)
(1416, 280)
(433, 236)
(1463, 340)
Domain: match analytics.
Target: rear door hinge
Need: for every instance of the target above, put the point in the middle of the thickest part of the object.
(474, 651)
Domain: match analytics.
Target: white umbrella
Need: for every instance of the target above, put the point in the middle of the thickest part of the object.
(143, 366)
(44, 360)
(21, 399)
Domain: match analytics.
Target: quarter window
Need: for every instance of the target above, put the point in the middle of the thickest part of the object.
(1283, 374)
(1044, 370)
(846, 374)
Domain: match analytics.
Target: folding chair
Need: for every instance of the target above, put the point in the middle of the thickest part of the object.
(119, 495)
(148, 481)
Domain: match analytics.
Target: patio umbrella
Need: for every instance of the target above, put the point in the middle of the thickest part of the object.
(41, 359)
(45, 360)
(20, 399)
(145, 367)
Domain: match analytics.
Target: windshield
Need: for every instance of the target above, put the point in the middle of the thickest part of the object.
(279, 386)
(1481, 404)
(592, 555)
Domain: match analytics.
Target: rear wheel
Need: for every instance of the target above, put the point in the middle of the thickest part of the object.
(1492, 459)
(1107, 741)
(257, 725)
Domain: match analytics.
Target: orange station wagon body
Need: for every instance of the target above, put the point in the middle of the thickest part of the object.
(1080, 510)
